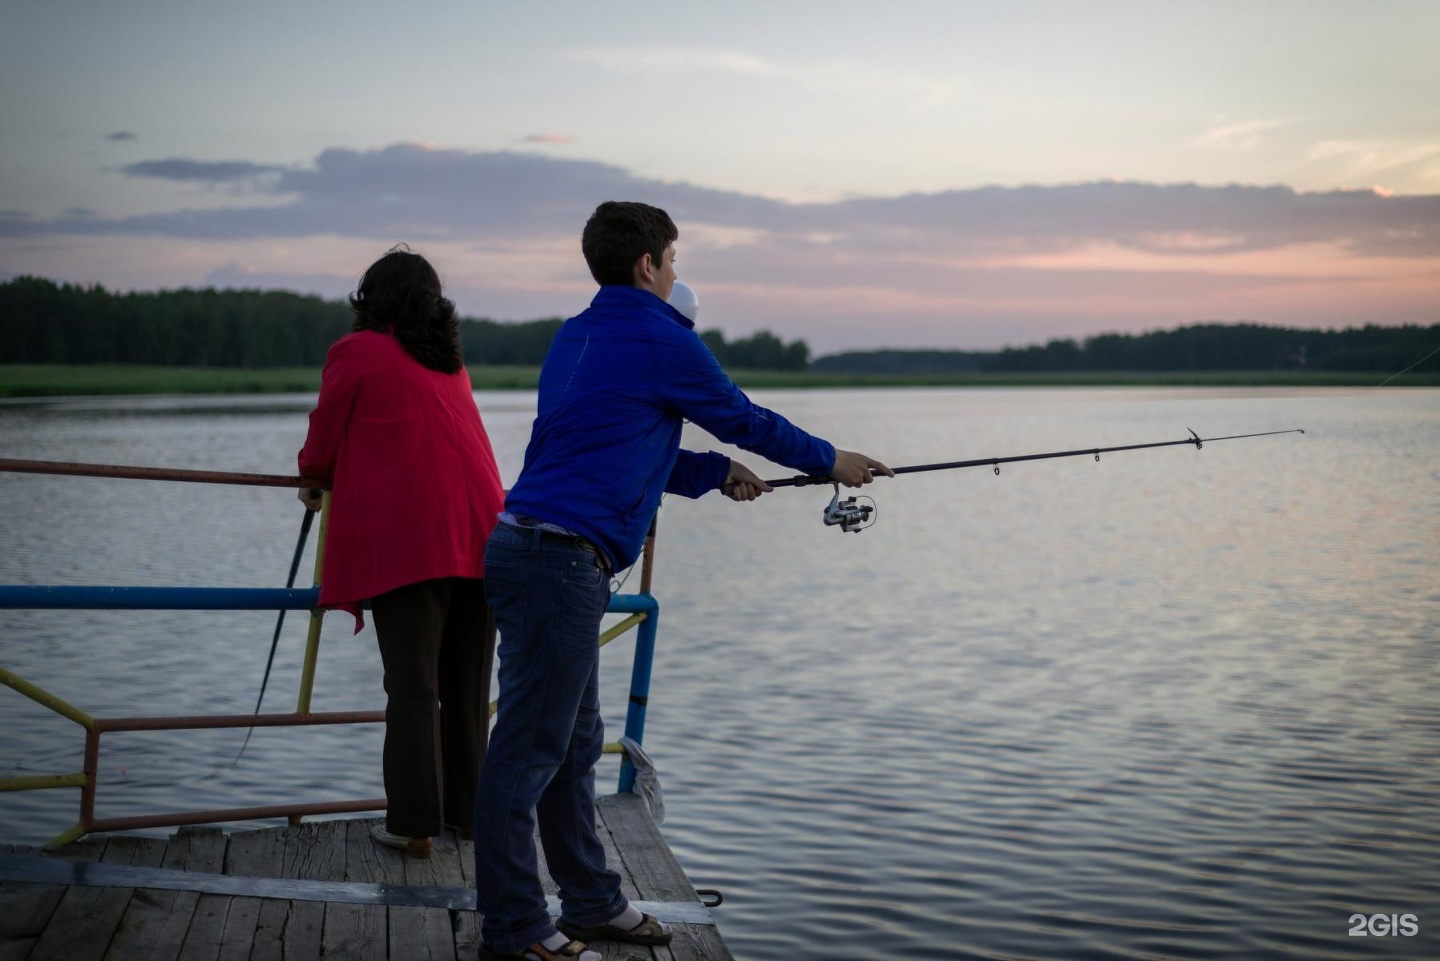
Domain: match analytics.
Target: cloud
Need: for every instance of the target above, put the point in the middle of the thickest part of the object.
(1237, 137)
(920, 92)
(121, 135)
(968, 267)
(637, 61)
(237, 276)
(554, 138)
(224, 171)
(1376, 157)
(428, 193)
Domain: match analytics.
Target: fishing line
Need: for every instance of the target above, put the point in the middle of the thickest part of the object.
(1410, 368)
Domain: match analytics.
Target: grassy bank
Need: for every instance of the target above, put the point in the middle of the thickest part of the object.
(58, 380)
(1212, 378)
(47, 380)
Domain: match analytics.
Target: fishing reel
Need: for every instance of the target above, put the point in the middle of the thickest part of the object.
(850, 514)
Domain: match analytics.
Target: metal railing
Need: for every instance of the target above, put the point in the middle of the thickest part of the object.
(641, 608)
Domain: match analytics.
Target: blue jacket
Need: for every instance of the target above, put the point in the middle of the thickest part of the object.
(619, 382)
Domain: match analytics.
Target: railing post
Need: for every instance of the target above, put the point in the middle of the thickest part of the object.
(92, 775)
(647, 563)
(639, 691)
(317, 616)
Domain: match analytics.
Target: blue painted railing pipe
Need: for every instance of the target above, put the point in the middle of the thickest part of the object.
(639, 687)
(41, 597)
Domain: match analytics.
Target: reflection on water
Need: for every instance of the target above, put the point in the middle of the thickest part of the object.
(1175, 704)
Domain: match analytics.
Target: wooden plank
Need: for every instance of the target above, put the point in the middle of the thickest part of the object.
(467, 934)
(351, 932)
(256, 854)
(442, 867)
(427, 933)
(647, 858)
(207, 928)
(615, 859)
(658, 875)
(288, 931)
(238, 935)
(25, 909)
(315, 850)
(421, 933)
(222, 929)
(156, 921)
(635, 849)
(465, 925)
(86, 918)
(367, 861)
(615, 951)
(284, 930)
(412, 932)
(187, 925)
(695, 942)
(465, 853)
(354, 932)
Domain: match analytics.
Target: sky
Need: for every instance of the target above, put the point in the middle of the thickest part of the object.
(860, 175)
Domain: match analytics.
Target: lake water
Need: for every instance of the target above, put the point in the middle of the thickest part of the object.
(1174, 704)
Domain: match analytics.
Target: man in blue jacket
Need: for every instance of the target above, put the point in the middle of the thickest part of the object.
(619, 382)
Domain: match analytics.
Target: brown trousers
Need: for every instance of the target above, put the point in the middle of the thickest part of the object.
(437, 642)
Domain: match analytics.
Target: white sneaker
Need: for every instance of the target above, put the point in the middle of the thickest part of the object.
(415, 847)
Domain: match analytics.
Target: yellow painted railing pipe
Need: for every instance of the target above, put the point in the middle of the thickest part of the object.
(44, 698)
(74, 834)
(625, 625)
(39, 782)
(317, 617)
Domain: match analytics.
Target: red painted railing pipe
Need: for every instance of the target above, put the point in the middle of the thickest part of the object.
(159, 473)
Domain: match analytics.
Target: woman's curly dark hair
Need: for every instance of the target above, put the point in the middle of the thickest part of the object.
(400, 294)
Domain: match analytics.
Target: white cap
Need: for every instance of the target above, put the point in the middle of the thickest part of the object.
(683, 299)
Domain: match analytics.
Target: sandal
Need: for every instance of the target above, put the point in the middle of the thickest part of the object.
(537, 952)
(648, 931)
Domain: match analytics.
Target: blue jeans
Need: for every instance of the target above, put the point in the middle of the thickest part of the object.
(548, 597)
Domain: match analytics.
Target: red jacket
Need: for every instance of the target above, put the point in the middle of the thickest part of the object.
(415, 487)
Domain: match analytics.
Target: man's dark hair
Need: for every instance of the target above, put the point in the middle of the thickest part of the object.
(619, 233)
(400, 294)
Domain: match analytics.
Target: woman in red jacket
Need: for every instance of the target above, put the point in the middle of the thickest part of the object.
(415, 494)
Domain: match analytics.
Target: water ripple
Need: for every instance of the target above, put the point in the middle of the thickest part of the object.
(1148, 709)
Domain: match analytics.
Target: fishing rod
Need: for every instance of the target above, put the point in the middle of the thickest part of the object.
(279, 622)
(851, 515)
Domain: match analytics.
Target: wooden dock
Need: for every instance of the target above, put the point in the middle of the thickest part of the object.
(317, 890)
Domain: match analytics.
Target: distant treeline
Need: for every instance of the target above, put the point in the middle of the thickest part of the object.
(1198, 347)
(48, 323)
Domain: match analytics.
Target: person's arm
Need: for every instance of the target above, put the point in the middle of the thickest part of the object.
(697, 473)
(338, 385)
(695, 385)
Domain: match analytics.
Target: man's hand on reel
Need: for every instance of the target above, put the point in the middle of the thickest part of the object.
(853, 469)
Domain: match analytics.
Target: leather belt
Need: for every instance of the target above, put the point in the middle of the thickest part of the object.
(569, 540)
